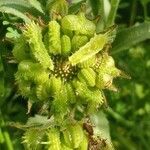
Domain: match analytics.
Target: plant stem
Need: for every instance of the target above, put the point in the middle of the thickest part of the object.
(133, 12)
(6, 135)
(112, 14)
(119, 118)
(145, 12)
(1, 136)
(8, 140)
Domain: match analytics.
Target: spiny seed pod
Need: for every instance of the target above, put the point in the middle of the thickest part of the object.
(22, 73)
(88, 76)
(53, 135)
(55, 85)
(70, 22)
(32, 138)
(76, 134)
(93, 97)
(58, 7)
(41, 92)
(60, 104)
(40, 77)
(78, 23)
(104, 80)
(95, 45)
(87, 26)
(81, 89)
(24, 88)
(78, 41)
(32, 71)
(37, 47)
(21, 50)
(65, 45)
(91, 62)
(108, 60)
(73, 136)
(84, 143)
(67, 138)
(54, 38)
(96, 102)
(25, 65)
(70, 93)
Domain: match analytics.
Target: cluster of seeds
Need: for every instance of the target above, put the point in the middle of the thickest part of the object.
(63, 69)
(66, 68)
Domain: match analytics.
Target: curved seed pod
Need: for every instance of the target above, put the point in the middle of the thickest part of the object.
(78, 41)
(32, 138)
(54, 139)
(41, 92)
(40, 75)
(91, 62)
(70, 93)
(32, 72)
(67, 138)
(60, 104)
(58, 7)
(78, 23)
(25, 65)
(21, 50)
(38, 50)
(92, 97)
(70, 22)
(55, 85)
(73, 136)
(84, 143)
(82, 91)
(87, 26)
(109, 61)
(54, 37)
(95, 45)
(76, 134)
(24, 71)
(103, 80)
(88, 76)
(96, 102)
(65, 45)
(24, 88)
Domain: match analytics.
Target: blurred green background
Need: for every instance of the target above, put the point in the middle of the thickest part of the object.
(129, 108)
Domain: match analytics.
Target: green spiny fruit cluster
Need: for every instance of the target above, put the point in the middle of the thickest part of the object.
(66, 66)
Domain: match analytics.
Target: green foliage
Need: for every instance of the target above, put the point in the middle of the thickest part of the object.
(55, 65)
(127, 38)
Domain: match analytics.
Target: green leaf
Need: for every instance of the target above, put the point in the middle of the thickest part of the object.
(14, 2)
(12, 33)
(15, 12)
(127, 38)
(37, 122)
(36, 5)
